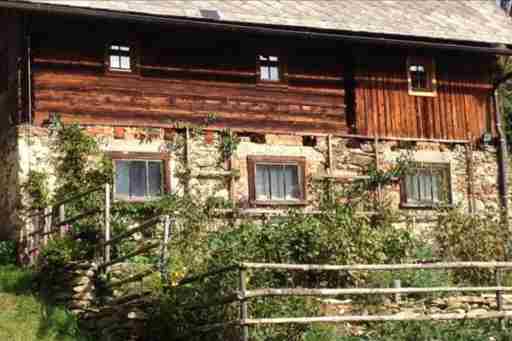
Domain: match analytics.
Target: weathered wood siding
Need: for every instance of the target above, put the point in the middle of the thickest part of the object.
(11, 48)
(460, 110)
(183, 76)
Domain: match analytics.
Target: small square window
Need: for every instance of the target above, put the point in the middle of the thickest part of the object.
(139, 179)
(427, 185)
(120, 58)
(421, 76)
(274, 180)
(269, 68)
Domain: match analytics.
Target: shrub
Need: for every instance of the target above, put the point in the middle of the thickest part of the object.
(7, 252)
(464, 237)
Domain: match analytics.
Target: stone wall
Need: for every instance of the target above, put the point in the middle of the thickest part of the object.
(210, 173)
(9, 183)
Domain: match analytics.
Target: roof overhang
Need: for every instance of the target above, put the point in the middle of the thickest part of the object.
(402, 41)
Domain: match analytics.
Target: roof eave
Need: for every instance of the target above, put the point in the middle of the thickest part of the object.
(406, 41)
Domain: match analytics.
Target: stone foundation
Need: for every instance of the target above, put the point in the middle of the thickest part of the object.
(473, 171)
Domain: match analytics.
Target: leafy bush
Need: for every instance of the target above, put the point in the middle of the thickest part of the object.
(464, 237)
(7, 252)
(337, 236)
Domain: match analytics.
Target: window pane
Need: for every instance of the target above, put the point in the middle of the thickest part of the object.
(114, 47)
(412, 188)
(291, 177)
(155, 178)
(124, 48)
(436, 186)
(125, 62)
(138, 178)
(114, 62)
(263, 58)
(262, 184)
(273, 58)
(274, 73)
(276, 182)
(122, 178)
(264, 72)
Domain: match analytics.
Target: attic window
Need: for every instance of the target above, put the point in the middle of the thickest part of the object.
(421, 76)
(120, 58)
(269, 68)
(210, 14)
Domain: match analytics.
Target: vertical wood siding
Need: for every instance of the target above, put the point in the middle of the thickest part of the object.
(461, 108)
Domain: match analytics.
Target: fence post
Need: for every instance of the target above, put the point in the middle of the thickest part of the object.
(397, 284)
(48, 212)
(164, 256)
(499, 295)
(106, 255)
(243, 305)
(62, 217)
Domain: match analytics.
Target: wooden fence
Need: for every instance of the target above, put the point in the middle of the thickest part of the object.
(45, 224)
(243, 295)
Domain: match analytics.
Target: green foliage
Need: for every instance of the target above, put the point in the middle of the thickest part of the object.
(7, 252)
(36, 187)
(25, 316)
(463, 237)
(79, 162)
(229, 142)
(58, 252)
(15, 280)
(440, 331)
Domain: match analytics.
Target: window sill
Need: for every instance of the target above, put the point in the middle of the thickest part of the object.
(425, 206)
(423, 93)
(279, 202)
(135, 200)
(122, 73)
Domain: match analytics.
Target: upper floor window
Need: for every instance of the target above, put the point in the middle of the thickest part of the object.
(427, 185)
(421, 76)
(276, 180)
(139, 177)
(120, 58)
(269, 68)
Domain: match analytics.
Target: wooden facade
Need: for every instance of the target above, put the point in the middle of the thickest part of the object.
(189, 75)
(11, 68)
(460, 109)
(185, 80)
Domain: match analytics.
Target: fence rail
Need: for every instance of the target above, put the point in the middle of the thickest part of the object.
(51, 221)
(242, 295)
(45, 223)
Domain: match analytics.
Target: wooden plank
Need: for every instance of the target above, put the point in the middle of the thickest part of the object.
(143, 249)
(131, 279)
(143, 226)
(379, 318)
(379, 267)
(366, 291)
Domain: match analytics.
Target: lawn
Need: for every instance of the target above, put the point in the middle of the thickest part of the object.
(25, 316)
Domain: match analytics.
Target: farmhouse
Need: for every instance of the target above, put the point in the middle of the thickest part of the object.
(308, 91)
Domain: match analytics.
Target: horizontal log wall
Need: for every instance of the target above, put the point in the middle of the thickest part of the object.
(179, 79)
(460, 110)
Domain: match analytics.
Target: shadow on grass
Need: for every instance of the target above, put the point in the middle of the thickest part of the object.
(50, 321)
(15, 280)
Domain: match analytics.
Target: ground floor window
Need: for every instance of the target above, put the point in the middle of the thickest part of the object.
(277, 180)
(427, 185)
(138, 178)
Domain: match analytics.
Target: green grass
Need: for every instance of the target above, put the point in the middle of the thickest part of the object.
(25, 316)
